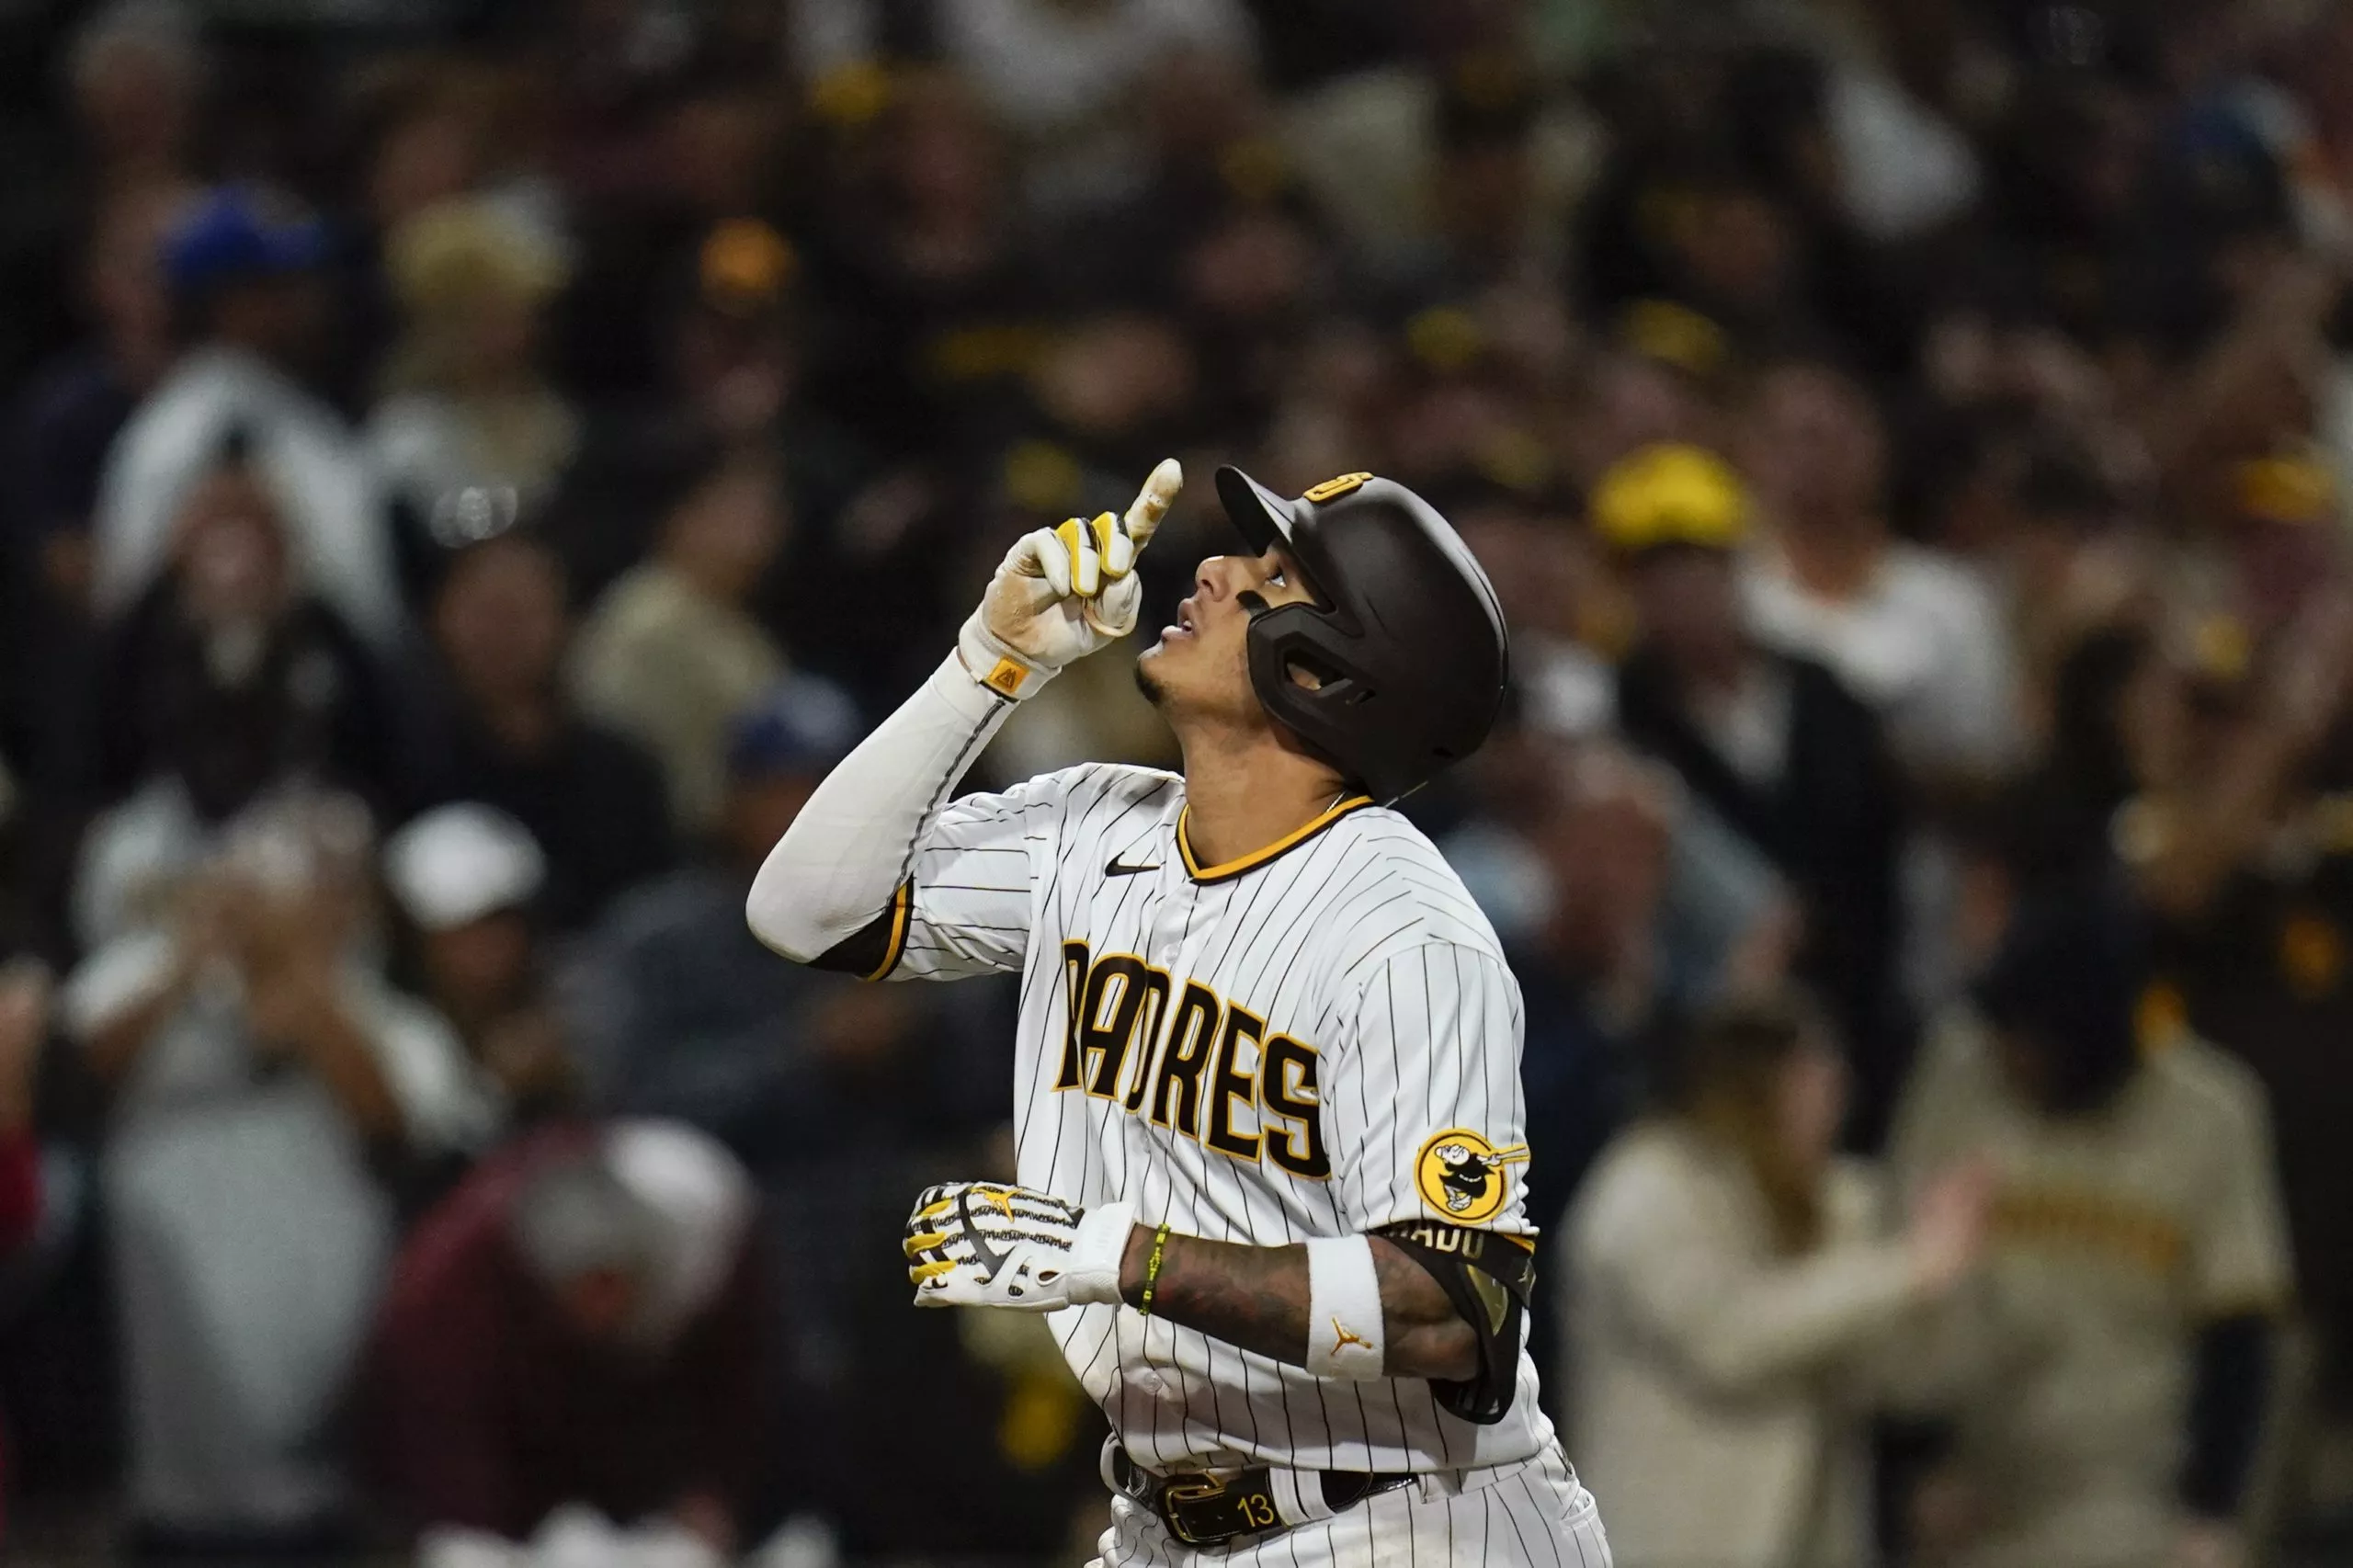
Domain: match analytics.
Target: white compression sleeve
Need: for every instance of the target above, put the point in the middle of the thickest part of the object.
(845, 856)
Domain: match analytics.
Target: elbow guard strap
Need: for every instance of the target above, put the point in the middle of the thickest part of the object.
(1489, 1276)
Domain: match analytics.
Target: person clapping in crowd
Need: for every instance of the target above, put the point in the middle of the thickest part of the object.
(264, 1079)
(1732, 1290)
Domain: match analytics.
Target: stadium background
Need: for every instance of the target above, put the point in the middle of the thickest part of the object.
(646, 354)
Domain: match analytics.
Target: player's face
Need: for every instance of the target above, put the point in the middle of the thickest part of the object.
(1201, 663)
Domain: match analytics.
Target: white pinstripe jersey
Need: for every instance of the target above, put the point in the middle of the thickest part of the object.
(1315, 1040)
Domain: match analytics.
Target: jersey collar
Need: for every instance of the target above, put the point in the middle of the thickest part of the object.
(1258, 857)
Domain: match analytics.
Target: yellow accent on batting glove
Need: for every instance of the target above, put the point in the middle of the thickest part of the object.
(980, 1243)
(1064, 592)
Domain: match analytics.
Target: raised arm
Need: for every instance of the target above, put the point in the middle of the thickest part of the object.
(845, 858)
(1059, 595)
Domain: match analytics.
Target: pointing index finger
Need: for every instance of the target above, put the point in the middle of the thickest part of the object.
(1135, 529)
(1152, 503)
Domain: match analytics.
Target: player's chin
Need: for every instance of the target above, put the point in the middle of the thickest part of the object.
(1148, 678)
(1167, 650)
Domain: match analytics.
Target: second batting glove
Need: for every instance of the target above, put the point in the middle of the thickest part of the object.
(978, 1244)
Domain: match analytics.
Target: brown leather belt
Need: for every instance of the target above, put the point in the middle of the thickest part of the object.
(1201, 1510)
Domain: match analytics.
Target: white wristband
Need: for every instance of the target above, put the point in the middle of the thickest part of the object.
(1345, 1338)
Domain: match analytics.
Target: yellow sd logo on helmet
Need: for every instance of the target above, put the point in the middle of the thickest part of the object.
(1461, 1174)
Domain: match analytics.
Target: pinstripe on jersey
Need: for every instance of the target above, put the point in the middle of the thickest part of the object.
(1262, 1051)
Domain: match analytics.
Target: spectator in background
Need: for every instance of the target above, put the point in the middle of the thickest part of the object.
(23, 1029)
(2108, 1381)
(262, 1076)
(1730, 1288)
(672, 653)
(227, 674)
(244, 274)
(58, 439)
(512, 739)
(722, 372)
(683, 1014)
(2165, 759)
(1067, 78)
(1481, 186)
(2231, 825)
(2051, 531)
(939, 303)
(227, 694)
(420, 132)
(686, 1013)
(138, 70)
(1914, 633)
(1589, 970)
(76, 406)
(465, 880)
(470, 434)
(570, 1355)
(430, 132)
(1771, 743)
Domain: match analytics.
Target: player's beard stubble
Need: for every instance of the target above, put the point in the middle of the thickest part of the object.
(1235, 704)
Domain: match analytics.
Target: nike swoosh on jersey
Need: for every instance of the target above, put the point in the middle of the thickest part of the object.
(1118, 869)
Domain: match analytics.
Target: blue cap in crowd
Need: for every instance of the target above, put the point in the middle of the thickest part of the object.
(804, 723)
(240, 231)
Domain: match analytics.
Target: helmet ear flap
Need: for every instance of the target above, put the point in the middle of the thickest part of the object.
(1298, 638)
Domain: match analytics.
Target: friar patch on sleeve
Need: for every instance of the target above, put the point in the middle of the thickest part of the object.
(1462, 1175)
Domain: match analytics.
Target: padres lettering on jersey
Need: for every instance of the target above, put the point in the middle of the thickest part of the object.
(1261, 1090)
(1318, 1039)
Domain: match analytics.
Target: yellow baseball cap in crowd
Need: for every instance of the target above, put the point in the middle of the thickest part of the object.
(1669, 494)
(2286, 489)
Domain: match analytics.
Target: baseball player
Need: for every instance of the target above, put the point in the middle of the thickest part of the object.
(2106, 1374)
(1268, 1102)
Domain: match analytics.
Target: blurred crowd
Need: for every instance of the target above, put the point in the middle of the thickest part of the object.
(473, 465)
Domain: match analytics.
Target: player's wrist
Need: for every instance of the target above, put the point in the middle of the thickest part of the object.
(994, 664)
(1135, 1263)
(1098, 1254)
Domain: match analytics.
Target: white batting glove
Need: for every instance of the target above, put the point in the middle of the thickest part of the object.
(1062, 593)
(979, 1243)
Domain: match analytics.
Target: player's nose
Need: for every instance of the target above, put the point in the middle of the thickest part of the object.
(1218, 577)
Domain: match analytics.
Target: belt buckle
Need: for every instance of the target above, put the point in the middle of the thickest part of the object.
(1178, 1496)
(1254, 1506)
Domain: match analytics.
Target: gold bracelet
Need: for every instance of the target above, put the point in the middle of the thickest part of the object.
(1151, 1269)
